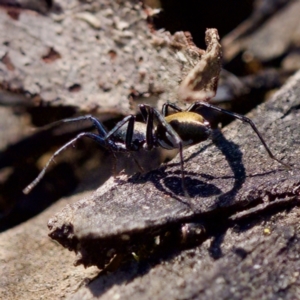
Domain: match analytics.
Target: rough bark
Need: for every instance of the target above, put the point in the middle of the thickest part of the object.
(230, 180)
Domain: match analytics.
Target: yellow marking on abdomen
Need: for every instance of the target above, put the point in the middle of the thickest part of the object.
(185, 116)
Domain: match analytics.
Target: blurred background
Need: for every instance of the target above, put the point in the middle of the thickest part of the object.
(57, 62)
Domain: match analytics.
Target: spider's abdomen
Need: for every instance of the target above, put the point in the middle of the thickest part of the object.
(191, 127)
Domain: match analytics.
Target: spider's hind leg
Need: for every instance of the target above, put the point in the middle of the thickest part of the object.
(244, 119)
(165, 108)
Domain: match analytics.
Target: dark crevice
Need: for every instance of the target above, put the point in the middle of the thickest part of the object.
(196, 16)
(46, 114)
(22, 162)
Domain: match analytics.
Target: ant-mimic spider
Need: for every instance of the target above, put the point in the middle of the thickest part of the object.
(173, 131)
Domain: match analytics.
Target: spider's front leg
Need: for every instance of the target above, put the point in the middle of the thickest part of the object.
(95, 137)
(103, 138)
(96, 123)
(99, 138)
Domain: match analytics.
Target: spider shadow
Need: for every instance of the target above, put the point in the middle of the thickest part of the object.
(169, 182)
(234, 158)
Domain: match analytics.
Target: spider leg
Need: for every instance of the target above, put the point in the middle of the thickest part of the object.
(129, 131)
(114, 166)
(151, 113)
(118, 147)
(195, 105)
(93, 136)
(165, 108)
(98, 125)
(147, 113)
(128, 139)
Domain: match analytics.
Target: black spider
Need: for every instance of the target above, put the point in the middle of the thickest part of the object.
(175, 131)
